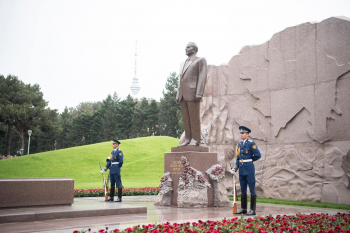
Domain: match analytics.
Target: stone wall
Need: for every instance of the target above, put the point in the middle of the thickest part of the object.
(293, 92)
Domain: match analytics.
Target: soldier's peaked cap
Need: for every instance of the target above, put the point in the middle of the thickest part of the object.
(114, 141)
(244, 129)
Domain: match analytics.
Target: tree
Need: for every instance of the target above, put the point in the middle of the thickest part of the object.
(64, 138)
(9, 87)
(81, 128)
(152, 118)
(108, 116)
(95, 129)
(139, 127)
(88, 107)
(124, 116)
(22, 107)
(169, 117)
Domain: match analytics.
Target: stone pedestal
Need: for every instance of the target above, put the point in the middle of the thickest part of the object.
(199, 157)
(36, 192)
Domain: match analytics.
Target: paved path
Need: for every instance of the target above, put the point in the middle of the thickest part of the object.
(154, 214)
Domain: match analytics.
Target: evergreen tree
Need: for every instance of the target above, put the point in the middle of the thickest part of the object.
(96, 126)
(139, 126)
(169, 116)
(108, 117)
(124, 116)
(22, 107)
(65, 138)
(81, 129)
(152, 118)
(9, 87)
(88, 107)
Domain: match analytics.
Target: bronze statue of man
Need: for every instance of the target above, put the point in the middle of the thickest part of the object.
(193, 75)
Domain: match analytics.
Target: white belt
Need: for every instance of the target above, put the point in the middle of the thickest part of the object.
(245, 160)
(115, 163)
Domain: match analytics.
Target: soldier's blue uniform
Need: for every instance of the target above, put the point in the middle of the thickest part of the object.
(247, 150)
(114, 163)
(247, 153)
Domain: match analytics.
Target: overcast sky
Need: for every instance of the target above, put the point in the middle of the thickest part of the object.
(80, 51)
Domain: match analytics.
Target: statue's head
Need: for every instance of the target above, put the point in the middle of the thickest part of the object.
(191, 48)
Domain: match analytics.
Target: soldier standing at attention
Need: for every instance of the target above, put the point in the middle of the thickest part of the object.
(114, 164)
(247, 152)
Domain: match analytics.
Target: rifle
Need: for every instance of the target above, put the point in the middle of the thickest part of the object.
(234, 193)
(104, 184)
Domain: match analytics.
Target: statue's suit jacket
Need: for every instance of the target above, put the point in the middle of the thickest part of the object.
(192, 79)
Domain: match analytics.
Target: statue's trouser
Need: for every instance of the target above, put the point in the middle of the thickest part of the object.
(191, 118)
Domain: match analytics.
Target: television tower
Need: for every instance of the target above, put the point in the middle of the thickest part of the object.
(135, 87)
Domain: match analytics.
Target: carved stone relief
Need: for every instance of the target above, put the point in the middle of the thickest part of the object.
(294, 93)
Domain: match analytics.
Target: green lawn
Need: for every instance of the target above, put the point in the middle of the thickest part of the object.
(143, 163)
(298, 203)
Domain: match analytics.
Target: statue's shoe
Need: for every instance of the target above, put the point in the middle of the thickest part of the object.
(193, 143)
(185, 143)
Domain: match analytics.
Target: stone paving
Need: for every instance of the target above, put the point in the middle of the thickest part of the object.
(154, 214)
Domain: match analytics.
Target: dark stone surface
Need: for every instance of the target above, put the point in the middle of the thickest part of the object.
(201, 161)
(36, 192)
(25, 217)
(59, 213)
(190, 148)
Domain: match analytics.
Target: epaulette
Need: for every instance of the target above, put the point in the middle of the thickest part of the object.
(250, 140)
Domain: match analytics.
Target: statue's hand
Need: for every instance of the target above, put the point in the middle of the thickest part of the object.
(177, 101)
(198, 98)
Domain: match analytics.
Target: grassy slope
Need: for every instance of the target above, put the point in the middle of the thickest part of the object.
(297, 203)
(143, 163)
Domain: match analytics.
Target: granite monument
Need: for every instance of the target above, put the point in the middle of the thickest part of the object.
(293, 92)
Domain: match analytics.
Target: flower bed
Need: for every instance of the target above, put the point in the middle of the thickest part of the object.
(126, 192)
(286, 223)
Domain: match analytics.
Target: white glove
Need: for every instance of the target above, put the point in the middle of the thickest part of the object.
(234, 169)
(102, 171)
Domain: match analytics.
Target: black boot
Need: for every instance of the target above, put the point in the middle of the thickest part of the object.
(252, 205)
(120, 192)
(243, 204)
(111, 195)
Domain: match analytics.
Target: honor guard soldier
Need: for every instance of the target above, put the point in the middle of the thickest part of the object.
(114, 164)
(247, 152)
